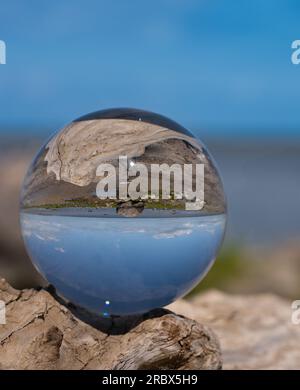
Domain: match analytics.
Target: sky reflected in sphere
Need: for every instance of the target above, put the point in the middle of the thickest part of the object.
(135, 264)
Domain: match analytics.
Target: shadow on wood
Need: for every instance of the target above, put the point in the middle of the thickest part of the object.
(42, 333)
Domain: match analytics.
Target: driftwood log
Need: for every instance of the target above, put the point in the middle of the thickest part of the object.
(43, 333)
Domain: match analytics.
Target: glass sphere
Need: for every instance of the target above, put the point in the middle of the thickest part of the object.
(123, 211)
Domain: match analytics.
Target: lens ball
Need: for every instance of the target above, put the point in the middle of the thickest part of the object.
(123, 211)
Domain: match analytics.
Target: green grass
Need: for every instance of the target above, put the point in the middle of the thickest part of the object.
(228, 267)
(98, 203)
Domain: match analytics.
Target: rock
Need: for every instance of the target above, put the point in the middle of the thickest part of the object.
(101, 141)
(41, 333)
(130, 209)
(255, 331)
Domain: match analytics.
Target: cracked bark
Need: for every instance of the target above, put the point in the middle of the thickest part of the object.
(42, 333)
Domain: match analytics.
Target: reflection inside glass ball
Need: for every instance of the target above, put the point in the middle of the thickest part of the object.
(123, 211)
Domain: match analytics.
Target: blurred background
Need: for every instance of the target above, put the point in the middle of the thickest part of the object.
(220, 68)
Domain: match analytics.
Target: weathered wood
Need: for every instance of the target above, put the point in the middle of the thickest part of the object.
(41, 333)
(255, 331)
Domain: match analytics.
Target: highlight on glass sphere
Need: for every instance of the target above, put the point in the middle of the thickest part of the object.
(123, 211)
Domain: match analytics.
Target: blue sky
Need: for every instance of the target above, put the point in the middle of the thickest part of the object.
(220, 66)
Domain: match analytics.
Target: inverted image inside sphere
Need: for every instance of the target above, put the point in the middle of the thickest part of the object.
(63, 175)
(127, 251)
